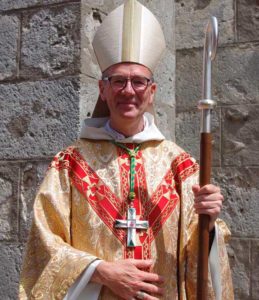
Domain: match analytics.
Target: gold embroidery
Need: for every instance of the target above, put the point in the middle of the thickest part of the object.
(67, 234)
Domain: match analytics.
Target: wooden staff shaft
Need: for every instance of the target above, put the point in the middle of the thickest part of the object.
(205, 173)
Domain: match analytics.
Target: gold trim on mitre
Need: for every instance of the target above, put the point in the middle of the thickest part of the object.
(130, 33)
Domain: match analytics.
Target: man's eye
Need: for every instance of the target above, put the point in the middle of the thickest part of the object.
(139, 81)
(118, 81)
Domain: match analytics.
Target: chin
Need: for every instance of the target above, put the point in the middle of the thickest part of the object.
(130, 115)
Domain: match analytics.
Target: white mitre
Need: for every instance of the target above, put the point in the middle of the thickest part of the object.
(130, 33)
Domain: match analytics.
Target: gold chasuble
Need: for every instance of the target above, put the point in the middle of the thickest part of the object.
(83, 194)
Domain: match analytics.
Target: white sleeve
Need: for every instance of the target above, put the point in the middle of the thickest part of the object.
(214, 266)
(83, 289)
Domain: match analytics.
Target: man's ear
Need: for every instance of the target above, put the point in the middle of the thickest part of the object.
(101, 85)
(153, 89)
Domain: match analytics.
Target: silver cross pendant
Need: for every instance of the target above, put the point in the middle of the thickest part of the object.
(131, 224)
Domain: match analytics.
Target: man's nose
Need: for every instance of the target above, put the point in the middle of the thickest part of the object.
(129, 88)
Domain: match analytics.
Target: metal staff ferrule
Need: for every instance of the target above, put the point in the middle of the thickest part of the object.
(210, 49)
(207, 104)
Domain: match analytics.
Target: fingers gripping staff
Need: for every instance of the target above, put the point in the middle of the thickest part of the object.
(206, 105)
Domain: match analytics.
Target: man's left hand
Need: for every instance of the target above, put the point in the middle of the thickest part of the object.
(208, 201)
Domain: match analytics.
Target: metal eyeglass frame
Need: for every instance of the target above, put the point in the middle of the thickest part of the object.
(149, 81)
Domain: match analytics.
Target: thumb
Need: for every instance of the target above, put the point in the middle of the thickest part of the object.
(195, 189)
(142, 263)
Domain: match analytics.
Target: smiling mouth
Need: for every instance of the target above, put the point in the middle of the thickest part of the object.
(127, 103)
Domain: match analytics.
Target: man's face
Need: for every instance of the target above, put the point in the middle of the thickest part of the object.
(127, 103)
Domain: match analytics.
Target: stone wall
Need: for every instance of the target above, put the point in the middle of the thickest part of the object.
(39, 112)
(235, 121)
(48, 80)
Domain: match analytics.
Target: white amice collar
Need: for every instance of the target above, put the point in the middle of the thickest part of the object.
(117, 135)
(99, 129)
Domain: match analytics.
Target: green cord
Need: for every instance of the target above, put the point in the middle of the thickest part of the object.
(132, 154)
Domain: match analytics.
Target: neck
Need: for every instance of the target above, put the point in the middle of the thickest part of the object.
(128, 128)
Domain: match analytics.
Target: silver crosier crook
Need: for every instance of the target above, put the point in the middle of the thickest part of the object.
(210, 49)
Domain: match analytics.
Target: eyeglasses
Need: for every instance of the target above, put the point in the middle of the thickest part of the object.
(118, 82)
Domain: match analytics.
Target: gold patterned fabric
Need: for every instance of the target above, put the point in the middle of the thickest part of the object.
(85, 190)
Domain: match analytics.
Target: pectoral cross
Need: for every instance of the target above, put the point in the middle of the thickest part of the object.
(131, 224)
